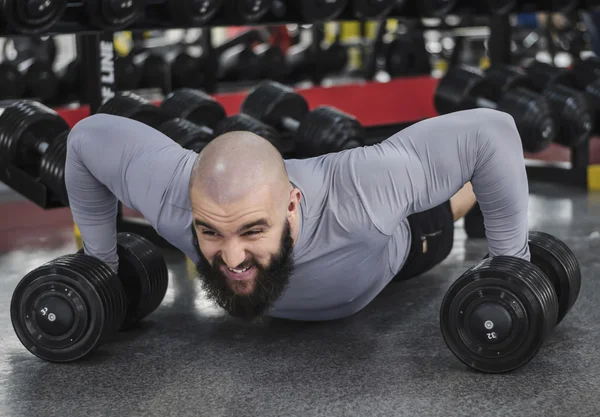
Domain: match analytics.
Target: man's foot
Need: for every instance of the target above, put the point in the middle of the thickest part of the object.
(474, 223)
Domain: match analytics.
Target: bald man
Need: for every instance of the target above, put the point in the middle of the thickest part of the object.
(312, 239)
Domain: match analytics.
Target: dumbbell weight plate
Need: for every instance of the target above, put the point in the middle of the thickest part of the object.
(52, 168)
(156, 73)
(327, 129)
(272, 102)
(571, 108)
(313, 11)
(42, 82)
(436, 8)
(144, 275)
(407, 55)
(498, 314)
(194, 105)
(496, 6)
(33, 16)
(239, 63)
(187, 134)
(193, 12)
(132, 106)
(246, 123)
(272, 62)
(12, 82)
(63, 310)
(533, 118)
(372, 9)
(247, 11)
(543, 75)
(586, 71)
(564, 6)
(560, 265)
(454, 91)
(127, 73)
(114, 14)
(22, 125)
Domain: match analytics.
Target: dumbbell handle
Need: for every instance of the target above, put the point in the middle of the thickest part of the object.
(290, 124)
(485, 103)
(41, 144)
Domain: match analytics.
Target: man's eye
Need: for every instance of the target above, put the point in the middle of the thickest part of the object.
(252, 232)
(209, 233)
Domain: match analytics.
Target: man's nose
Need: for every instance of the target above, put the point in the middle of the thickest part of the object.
(234, 256)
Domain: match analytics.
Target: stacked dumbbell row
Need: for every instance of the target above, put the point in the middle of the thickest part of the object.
(110, 15)
(544, 112)
(68, 307)
(497, 315)
(271, 110)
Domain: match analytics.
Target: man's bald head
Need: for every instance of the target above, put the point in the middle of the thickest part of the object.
(234, 165)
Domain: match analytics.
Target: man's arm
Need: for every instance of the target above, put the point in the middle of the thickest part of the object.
(425, 164)
(112, 159)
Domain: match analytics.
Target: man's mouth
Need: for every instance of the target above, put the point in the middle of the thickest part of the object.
(239, 274)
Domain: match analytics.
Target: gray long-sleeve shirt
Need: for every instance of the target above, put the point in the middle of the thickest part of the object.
(354, 235)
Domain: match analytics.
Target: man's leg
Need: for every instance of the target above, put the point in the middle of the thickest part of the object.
(432, 237)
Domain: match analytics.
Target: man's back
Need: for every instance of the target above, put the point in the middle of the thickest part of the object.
(341, 259)
(354, 234)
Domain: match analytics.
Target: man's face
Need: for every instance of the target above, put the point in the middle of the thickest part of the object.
(246, 257)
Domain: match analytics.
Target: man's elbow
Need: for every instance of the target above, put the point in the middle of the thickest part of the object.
(498, 133)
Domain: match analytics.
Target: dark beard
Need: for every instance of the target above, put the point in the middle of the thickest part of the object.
(270, 281)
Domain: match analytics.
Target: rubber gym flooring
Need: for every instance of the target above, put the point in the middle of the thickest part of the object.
(388, 360)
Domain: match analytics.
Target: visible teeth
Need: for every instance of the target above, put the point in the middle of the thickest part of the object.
(238, 271)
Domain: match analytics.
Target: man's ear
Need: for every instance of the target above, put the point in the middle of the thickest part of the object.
(295, 197)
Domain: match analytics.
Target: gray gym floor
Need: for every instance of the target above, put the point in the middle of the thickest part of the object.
(388, 360)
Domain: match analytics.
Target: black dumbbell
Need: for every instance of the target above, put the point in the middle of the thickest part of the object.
(498, 314)
(128, 74)
(135, 107)
(371, 9)
(32, 17)
(465, 87)
(156, 73)
(239, 63)
(406, 55)
(197, 118)
(494, 7)
(68, 307)
(425, 8)
(114, 15)
(33, 138)
(313, 11)
(31, 79)
(12, 81)
(272, 62)
(191, 12)
(246, 11)
(570, 108)
(42, 82)
(554, 6)
(322, 130)
(584, 76)
(194, 72)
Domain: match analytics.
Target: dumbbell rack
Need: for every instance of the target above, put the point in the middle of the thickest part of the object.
(574, 173)
(400, 102)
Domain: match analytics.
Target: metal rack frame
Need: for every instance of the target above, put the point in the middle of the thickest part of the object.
(574, 173)
(97, 54)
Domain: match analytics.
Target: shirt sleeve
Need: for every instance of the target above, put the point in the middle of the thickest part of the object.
(112, 159)
(425, 164)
